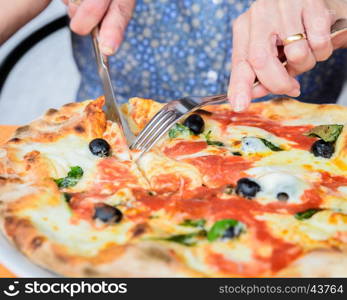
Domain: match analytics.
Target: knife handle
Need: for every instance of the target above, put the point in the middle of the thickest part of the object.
(102, 59)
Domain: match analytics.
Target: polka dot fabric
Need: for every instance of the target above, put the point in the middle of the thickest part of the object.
(177, 48)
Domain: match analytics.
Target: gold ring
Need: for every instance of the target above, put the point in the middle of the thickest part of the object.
(294, 38)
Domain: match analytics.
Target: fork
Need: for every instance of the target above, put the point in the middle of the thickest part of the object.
(175, 110)
(168, 116)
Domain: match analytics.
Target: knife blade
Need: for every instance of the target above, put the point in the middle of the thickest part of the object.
(112, 107)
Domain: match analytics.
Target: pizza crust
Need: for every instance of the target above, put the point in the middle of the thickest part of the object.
(300, 113)
(145, 259)
(318, 263)
(139, 111)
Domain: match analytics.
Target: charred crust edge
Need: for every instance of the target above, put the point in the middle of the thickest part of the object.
(51, 111)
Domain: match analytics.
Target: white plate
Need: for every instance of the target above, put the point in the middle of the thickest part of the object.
(17, 263)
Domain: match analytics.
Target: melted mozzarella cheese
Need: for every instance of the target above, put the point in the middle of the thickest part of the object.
(164, 226)
(9, 193)
(65, 153)
(320, 227)
(234, 134)
(238, 251)
(251, 145)
(195, 259)
(296, 158)
(81, 238)
(324, 225)
(239, 132)
(3, 153)
(343, 189)
(154, 165)
(122, 196)
(209, 150)
(277, 179)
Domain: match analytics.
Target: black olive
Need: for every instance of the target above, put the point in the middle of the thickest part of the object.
(99, 147)
(237, 154)
(323, 149)
(231, 232)
(195, 123)
(247, 188)
(107, 213)
(283, 197)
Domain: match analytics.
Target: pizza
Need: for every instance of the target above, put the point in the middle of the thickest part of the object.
(261, 193)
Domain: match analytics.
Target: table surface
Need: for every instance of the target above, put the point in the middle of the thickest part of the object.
(5, 133)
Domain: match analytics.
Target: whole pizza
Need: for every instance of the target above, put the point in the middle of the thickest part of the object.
(261, 193)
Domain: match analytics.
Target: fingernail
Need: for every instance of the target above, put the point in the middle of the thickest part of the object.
(295, 83)
(295, 92)
(240, 102)
(107, 50)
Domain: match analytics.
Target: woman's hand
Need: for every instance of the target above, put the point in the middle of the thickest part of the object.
(114, 16)
(16, 13)
(258, 32)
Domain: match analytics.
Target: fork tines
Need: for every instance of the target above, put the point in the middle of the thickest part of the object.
(154, 130)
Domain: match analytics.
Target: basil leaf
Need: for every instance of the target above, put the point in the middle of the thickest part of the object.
(194, 223)
(219, 228)
(328, 133)
(177, 130)
(215, 143)
(270, 145)
(306, 214)
(229, 189)
(67, 197)
(75, 172)
(66, 182)
(72, 178)
(237, 154)
(189, 239)
(212, 143)
(208, 135)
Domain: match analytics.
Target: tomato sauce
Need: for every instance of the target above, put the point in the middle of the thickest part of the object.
(310, 199)
(207, 203)
(170, 182)
(230, 267)
(333, 182)
(152, 202)
(184, 148)
(112, 175)
(282, 254)
(244, 210)
(291, 133)
(220, 170)
(111, 170)
(82, 209)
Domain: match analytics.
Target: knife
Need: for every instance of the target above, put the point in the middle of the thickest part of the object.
(112, 107)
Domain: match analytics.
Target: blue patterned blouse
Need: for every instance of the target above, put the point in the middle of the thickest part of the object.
(183, 47)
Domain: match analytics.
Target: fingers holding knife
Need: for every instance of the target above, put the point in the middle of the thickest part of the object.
(112, 16)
